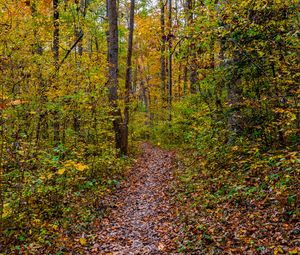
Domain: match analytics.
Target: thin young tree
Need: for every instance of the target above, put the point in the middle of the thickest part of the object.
(113, 65)
(128, 79)
(170, 59)
(162, 47)
(55, 50)
(192, 65)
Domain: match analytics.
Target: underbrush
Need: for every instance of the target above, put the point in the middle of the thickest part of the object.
(247, 204)
(54, 194)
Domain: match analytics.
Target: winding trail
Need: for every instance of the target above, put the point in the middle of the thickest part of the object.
(143, 220)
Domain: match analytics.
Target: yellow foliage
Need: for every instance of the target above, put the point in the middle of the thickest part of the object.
(61, 171)
(69, 163)
(278, 250)
(6, 210)
(81, 167)
(55, 227)
(83, 241)
(49, 176)
(72, 164)
(294, 251)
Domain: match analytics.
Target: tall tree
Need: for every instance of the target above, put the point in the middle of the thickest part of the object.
(42, 125)
(128, 80)
(162, 47)
(170, 59)
(81, 13)
(55, 49)
(192, 48)
(113, 65)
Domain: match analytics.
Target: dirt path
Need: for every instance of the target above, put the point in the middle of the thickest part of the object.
(143, 220)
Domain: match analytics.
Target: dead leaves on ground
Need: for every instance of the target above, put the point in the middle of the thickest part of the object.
(142, 217)
(246, 211)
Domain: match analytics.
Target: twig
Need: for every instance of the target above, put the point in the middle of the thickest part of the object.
(179, 41)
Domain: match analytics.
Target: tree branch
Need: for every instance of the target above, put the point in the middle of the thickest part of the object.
(70, 50)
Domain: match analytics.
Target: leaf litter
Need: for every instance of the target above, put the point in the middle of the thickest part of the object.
(143, 218)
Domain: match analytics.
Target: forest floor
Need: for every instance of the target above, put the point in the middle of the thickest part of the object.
(143, 218)
(166, 205)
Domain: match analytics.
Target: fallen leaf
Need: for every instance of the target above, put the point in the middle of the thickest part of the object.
(161, 246)
(61, 171)
(83, 241)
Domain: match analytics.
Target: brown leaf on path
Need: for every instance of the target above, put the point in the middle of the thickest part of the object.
(161, 246)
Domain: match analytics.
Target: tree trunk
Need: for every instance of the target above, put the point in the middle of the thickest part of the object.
(179, 81)
(113, 47)
(42, 125)
(185, 79)
(55, 49)
(81, 12)
(128, 79)
(234, 96)
(170, 71)
(162, 49)
(144, 96)
(193, 56)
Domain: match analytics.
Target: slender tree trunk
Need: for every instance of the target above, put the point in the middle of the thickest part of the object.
(170, 70)
(55, 49)
(128, 80)
(179, 89)
(2, 151)
(185, 79)
(234, 96)
(42, 125)
(193, 56)
(212, 54)
(81, 12)
(162, 48)
(113, 64)
(144, 95)
(135, 78)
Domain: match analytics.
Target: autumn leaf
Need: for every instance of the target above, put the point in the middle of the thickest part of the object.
(6, 210)
(294, 251)
(83, 241)
(161, 246)
(61, 171)
(81, 167)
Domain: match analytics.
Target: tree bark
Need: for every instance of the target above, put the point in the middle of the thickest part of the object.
(55, 49)
(162, 48)
(81, 13)
(113, 64)
(185, 79)
(42, 125)
(128, 80)
(234, 95)
(170, 71)
(193, 61)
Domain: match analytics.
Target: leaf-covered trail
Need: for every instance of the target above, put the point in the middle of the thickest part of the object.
(143, 219)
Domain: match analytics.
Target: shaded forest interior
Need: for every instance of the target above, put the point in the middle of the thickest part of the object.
(83, 82)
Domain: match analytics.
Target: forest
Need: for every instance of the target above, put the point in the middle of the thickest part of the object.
(149, 127)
